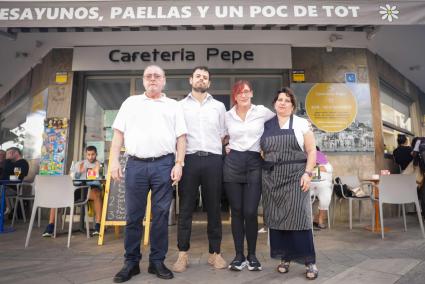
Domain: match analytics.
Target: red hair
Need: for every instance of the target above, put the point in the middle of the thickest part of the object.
(238, 87)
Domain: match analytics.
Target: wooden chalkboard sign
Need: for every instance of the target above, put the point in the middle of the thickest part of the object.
(113, 212)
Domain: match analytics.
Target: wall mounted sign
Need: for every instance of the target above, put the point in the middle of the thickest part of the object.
(341, 115)
(61, 77)
(268, 56)
(350, 77)
(220, 12)
(298, 76)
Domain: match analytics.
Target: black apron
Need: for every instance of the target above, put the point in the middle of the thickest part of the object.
(286, 206)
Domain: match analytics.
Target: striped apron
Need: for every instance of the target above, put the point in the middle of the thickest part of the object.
(286, 206)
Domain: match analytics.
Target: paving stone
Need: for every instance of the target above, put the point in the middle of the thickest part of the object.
(355, 275)
(398, 266)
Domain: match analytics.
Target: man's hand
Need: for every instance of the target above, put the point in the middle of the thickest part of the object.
(176, 173)
(116, 172)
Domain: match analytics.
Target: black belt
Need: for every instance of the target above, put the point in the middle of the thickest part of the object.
(203, 154)
(151, 159)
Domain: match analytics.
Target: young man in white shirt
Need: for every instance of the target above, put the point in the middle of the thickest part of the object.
(204, 118)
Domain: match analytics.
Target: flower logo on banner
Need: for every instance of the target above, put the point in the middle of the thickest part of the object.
(389, 12)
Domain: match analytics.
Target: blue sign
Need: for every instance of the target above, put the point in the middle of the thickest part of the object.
(350, 78)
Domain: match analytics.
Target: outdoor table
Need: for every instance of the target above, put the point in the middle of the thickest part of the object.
(83, 183)
(375, 181)
(3, 184)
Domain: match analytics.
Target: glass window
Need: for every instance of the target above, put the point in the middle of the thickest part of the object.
(13, 125)
(103, 100)
(395, 109)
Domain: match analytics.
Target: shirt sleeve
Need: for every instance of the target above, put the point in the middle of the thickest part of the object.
(268, 114)
(120, 119)
(221, 121)
(416, 148)
(305, 126)
(180, 126)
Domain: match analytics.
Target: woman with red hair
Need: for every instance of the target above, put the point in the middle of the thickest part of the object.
(242, 172)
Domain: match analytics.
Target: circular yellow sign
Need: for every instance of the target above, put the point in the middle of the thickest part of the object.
(331, 107)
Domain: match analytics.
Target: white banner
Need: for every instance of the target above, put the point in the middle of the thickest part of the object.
(219, 12)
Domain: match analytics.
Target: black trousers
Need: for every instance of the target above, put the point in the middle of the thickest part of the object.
(242, 184)
(421, 198)
(204, 171)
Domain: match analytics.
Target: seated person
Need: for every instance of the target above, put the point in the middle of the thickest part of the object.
(401, 154)
(322, 189)
(417, 167)
(95, 190)
(13, 160)
(2, 161)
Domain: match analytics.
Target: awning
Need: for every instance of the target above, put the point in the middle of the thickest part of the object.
(200, 13)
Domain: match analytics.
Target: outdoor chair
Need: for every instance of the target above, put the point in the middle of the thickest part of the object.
(398, 189)
(351, 182)
(54, 192)
(24, 191)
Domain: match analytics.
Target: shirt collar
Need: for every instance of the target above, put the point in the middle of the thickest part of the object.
(207, 98)
(161, 98)
(236, 116)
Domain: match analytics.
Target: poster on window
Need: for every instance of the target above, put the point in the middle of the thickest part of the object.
(340, 114)
(53, 151)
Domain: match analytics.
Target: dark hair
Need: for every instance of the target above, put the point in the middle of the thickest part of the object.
(91, 148)
(204, 68)
(15, 149)
(401, 139)
(287, 91)
(238, 87)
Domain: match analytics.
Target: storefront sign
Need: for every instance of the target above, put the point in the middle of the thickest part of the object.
(247, 12)
(331, 107)
(181, 57)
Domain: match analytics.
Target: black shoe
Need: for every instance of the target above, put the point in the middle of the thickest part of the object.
(48, 232)
(253, 263)
(126, 272)
(160, 270)
(96, 230)
(238, 263)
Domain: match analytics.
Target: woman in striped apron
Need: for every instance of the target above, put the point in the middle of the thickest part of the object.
(290, 155)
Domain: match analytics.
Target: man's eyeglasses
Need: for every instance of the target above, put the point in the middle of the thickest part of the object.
(152, 76)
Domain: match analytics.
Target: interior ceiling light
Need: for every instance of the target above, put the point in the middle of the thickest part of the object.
(415, 68)
(335, 37)
(371, 32)
(20, 54)
(8, 35)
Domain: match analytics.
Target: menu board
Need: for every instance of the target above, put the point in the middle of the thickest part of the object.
(113, 212)
(53, 150)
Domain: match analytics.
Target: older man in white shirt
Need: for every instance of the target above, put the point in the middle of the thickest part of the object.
(152, 128)
(204, 118)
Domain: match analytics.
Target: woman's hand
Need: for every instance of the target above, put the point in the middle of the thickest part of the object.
(305, 182)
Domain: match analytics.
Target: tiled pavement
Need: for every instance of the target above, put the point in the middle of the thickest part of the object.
(343, 256)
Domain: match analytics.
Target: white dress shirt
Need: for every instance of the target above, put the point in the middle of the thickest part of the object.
(301, 126)
(205, 124)
(245, 134)
(150, 126)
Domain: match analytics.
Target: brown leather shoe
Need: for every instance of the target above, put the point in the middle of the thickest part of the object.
(182, 262)
(217, 261)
